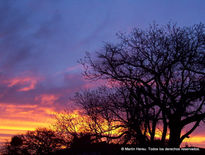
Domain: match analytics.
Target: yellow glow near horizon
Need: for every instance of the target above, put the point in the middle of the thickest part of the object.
(195, 139)
(18, 119)
(40, 117)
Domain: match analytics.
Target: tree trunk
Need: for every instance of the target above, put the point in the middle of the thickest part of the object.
(175, 133)
(140, 138)
(164, 133)
(153, 131)
(165, 125)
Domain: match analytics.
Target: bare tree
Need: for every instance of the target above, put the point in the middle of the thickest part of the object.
(100, 107)
(129, 119)
(163, 70)
(75, 126)
(40, 141)
(71, 125)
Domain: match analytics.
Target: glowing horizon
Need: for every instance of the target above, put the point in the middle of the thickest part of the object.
(41, 42)
(10, 128)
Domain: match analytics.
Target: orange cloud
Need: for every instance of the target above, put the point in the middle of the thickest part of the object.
(26, 83)
(25, 116)
(17, 119)
(47, 99)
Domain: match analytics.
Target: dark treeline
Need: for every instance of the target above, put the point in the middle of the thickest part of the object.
(155, 97)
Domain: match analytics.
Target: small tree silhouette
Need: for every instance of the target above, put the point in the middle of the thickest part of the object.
(40, 141)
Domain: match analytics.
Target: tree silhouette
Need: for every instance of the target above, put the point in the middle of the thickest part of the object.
(161, 76)
(76, 126)
(40, 141)
(83, 133)
(111, 119)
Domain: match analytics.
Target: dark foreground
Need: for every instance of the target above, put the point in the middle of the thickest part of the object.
(119, 150)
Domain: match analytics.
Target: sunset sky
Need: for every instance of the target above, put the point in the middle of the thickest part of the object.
(42, 40)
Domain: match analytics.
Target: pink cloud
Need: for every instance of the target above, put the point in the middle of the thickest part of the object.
(47, 99)
(25, 83)
(74, 68)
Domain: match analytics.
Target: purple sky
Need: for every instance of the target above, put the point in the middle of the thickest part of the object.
(47, 36)
(42, 40)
